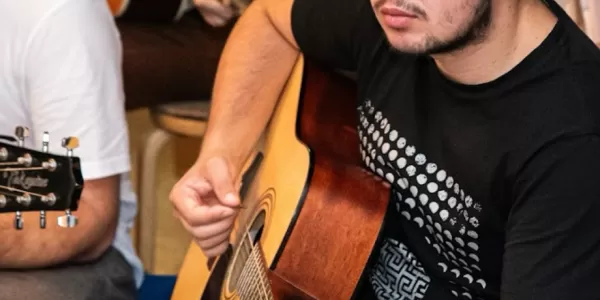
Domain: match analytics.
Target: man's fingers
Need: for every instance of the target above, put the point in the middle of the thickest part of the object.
(213, 241)
(199, 185)
(209, 237)
(214, 229)
(198, 215)
(214, 251)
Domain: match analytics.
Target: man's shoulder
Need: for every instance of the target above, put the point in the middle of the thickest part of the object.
(30, 12)
(23, 20)
(567, 96)
(559, 103)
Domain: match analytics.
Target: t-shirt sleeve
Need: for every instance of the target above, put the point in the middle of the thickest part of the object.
(552, 248)
(335, 32)
(74, 85)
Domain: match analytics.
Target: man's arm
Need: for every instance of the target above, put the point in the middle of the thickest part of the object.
(259, 56)
(553, 232)
(255, 64)
(72, 79)
(33, 247)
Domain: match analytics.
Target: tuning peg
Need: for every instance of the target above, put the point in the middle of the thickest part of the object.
(18, 221)
(23, 200)
(45, 141)
(43, 219)
(3, 201)
(21, 133)
(45, 148)
(68, 220)
(70, 143)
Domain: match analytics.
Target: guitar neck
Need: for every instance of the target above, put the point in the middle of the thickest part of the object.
(32, 180)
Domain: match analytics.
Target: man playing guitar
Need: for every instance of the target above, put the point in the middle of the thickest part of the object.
(483, 115)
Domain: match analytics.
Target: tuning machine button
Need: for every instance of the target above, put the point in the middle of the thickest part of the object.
(70, 143)
(21, 133)
(68, 220)
(3, 201)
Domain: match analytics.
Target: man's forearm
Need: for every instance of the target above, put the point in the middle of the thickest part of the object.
(253, 69)
(33, 247)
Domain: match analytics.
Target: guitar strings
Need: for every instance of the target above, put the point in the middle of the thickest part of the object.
(12, 189)
(22, 169)
(244, 282)
(260, 267)
(13, 163)
(247, 289)
(8, 194)
(252, 247)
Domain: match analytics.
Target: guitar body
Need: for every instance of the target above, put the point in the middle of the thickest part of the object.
(313, 214)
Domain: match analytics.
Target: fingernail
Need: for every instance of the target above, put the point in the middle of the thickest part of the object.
(230, 198)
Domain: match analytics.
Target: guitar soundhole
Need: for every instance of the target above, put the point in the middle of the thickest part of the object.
(247, 259)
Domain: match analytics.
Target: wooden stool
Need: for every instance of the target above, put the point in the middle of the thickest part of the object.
(188, 119)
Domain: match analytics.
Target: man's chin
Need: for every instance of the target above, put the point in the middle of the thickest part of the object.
(403, 43)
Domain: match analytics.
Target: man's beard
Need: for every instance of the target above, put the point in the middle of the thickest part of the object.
(473, 33)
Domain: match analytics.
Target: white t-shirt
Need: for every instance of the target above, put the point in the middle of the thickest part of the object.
(60, 71)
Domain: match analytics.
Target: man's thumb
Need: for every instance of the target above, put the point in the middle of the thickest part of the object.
(231, 200)
(222, 182)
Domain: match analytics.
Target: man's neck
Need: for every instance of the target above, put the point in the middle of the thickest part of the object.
(516, 30)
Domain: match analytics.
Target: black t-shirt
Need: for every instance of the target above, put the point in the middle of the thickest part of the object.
(496, 186)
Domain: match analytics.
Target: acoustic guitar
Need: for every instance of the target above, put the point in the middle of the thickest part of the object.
(32, 180)
(312, 212)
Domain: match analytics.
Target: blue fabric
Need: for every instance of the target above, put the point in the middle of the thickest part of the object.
(156, 287)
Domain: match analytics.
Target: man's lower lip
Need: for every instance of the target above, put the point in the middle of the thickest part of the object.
(396, 21)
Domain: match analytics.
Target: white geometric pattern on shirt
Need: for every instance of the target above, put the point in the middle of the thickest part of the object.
(429, 197)
(398, 275)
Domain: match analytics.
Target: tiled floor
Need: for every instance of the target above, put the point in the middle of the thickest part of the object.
(171, 239)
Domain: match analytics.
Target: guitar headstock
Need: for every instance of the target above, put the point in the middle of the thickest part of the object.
(32, 180)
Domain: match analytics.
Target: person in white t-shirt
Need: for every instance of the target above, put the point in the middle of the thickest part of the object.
(60, 71)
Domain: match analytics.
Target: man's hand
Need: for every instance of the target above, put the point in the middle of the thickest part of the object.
(206, 199)
(206, 203)
(215, 12)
